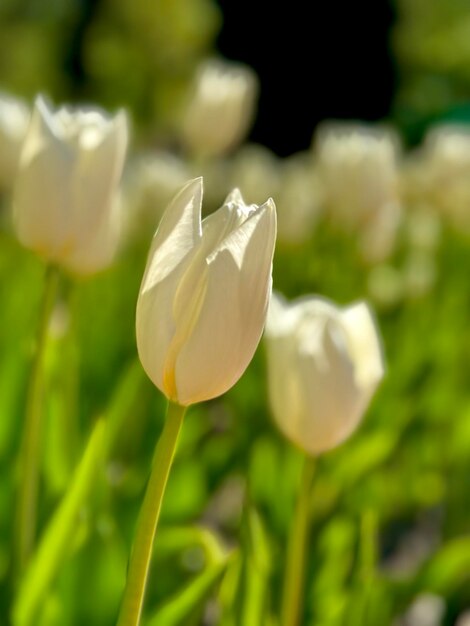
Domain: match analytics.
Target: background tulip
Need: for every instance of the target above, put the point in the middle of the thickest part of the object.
(204, 296)
(220, 109)
(65, 197)
(324, 364)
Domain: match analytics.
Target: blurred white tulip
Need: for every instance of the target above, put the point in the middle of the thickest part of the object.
(386, 285)
(441, 169)
(204, 295)
(324, 364)
(220, 108)
(463, 619)
(427, 609)
(65, 201)
(152, 181)
(299, 199)
(419, 273)
(256, 171)
(14, 118)
(358, 170)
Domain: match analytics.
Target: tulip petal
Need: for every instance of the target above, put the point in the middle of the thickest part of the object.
(45, 164)
(231, 319)
(232, 214)
(332, 401)
(98, 250)
(323, 365)
(156, 327)
(365, 345)
(177, 235)
(95, 180)
(173, 249)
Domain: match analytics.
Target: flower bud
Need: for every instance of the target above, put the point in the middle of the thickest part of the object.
(365, 160)
(204, 295)
(220, 109)
(14, 117)
(324, 364)
(358, 171)
(65, 197)
(442, 167)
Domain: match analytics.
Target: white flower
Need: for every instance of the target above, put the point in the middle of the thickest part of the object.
(299, 199)
(14, 117)
(358, 166)
(65, 196)
(204, 295)
(220, 109)
(442, 171)
(324, 365)
(152, 182)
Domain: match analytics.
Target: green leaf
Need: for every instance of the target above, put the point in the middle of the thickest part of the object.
(58, 536)
(188, 602)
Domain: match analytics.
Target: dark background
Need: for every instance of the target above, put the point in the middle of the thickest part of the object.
(315, 61)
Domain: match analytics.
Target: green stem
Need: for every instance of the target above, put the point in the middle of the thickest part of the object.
(133, 600)
(30, 445)
(293, 591)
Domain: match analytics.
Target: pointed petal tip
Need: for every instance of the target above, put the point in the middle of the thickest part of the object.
(270, 205)
(195, 186)
(235, 196)
(42, 106)
(41, 100)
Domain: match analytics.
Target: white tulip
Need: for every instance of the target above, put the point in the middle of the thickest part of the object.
(463, 619)
(324, 364)
(65, 198)
(204, 295)
(442, 172)
(220, 109)
(14, 117)
(358, 169)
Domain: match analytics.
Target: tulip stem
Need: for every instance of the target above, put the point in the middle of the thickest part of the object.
(293, 590)
(141, 554)
(31, 442)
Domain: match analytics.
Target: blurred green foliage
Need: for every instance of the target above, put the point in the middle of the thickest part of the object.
(431, 42)
(134, 53)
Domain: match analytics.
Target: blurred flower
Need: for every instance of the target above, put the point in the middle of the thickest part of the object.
(298, 200)
(65, 201)
(463, 619)
(14, 117)
(324, 365)
(420, 273)
(204, 295)
(427, 609)
(423, 228)
(385, 285)
(256, 171)
(152, 182)
(220, 109)
(441, 171)
(358, 170)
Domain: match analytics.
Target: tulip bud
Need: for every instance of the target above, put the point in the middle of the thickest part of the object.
(65, 197)
(442, 172)
(204, 295)
(324, 364)
(365, 161)
(14, 117)
(220, 110)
